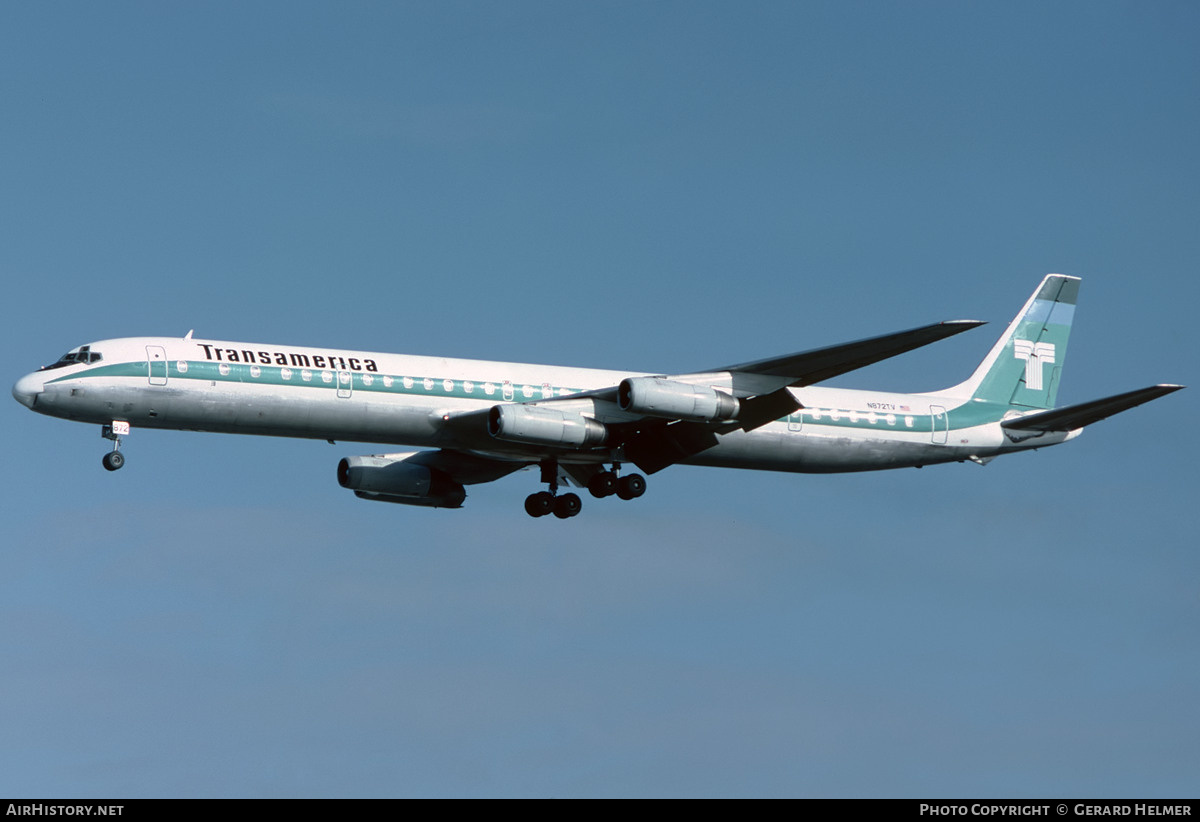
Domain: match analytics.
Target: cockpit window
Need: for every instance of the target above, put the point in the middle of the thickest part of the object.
(80, 355)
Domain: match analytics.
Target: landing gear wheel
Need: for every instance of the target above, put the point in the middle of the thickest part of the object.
(603, 484)
(113, 460)
(631, 486)
(539, 504)
(568, 505)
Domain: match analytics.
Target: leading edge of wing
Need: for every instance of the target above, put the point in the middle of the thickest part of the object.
(809, 367)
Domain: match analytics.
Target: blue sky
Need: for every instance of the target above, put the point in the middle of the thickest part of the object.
(657, 186)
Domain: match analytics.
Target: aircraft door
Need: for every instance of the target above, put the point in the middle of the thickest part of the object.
(345, 384)
(941, 424)
(156, 363)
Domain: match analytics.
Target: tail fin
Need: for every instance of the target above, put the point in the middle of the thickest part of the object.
(1024, 366)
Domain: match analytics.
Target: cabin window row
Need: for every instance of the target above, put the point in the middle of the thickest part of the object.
(872, 417)
(507, 389)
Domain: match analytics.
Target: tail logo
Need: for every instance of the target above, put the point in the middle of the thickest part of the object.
(1035, 355)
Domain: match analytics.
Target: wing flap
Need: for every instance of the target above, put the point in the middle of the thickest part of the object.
(661, 445)
(758, 411)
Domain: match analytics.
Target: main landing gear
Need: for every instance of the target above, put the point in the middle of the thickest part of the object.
(564, 506)
(607, 483)
(547, 502)
(114, 459)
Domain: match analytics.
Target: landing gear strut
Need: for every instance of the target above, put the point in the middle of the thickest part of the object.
(114, 459)
(550, 502)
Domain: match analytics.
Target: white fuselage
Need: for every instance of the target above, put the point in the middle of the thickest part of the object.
(230, 387)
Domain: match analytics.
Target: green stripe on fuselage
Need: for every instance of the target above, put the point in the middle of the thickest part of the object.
(328, 378)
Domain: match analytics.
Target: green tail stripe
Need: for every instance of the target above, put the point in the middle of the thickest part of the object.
(1024, 369)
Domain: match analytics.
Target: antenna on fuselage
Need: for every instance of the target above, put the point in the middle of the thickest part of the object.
(188, 336)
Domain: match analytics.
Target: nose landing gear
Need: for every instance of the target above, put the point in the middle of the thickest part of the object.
(114, 459)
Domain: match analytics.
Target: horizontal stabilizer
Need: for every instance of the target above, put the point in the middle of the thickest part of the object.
(809, 367)
(1077, 416)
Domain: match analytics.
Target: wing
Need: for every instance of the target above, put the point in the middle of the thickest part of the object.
(809, 367)
(767, 380)
(661, 420)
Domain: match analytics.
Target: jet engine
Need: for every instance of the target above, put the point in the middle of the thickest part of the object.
(400, 478)
(656, 397)
(544, 426)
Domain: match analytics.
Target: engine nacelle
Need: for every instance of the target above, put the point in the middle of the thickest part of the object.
(656, 397)
(400, 478)
(544, 426)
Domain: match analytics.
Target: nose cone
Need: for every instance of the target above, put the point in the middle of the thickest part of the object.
(27, 388)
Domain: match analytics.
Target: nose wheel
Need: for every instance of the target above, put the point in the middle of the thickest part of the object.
(114, 459)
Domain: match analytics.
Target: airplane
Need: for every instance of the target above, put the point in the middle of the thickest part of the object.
(484, 420)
